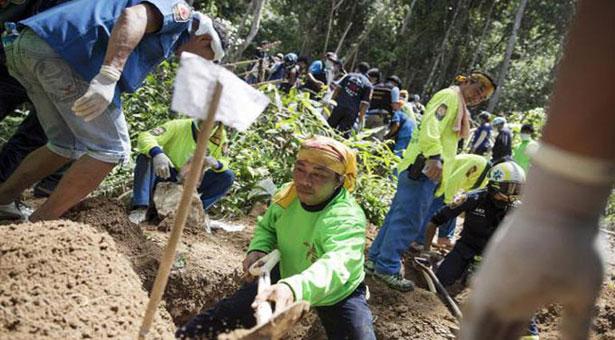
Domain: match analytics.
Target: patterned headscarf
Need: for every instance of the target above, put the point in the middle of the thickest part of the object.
(326, 152)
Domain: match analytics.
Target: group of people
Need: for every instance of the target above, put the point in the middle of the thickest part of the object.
(73, 58)
(359, 99)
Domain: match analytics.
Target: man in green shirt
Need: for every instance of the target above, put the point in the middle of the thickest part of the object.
(165, 153)
(428, 159)
(522, 153)
(319, 230)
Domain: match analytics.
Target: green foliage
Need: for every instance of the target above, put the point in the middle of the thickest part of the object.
(269, 147)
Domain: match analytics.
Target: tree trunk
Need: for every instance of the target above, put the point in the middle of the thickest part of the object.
(406, 22)
(256, 23)
(479, 48)
(442, 49)
(339, 44)
(334, 6)
(509, 50)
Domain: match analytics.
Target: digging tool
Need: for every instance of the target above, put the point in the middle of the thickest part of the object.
(190, 184)
(262, 269)
(269, 325)
(422, 264)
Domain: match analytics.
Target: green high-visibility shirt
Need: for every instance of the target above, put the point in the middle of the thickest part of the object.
(435, 135)
(522, 153)
(321, 252)
(177, 139)
(461, 179)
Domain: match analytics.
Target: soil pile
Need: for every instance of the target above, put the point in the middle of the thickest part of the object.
(110, 216)
(63, 279)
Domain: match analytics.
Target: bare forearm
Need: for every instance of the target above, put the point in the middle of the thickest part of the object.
(581, 118)
(429, 234)
(128, 31)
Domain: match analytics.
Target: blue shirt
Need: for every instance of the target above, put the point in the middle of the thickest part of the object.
(354, 89)
(80, 30)
(406, 126)
(486, 143)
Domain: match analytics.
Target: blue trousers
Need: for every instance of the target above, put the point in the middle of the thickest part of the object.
(213, 186)
(347, 319)
(402, 223)
(445, 230)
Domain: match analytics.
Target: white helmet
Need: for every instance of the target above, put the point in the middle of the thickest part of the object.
(507, 178)
(498, 121)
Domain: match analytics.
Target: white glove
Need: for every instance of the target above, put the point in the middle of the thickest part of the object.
(99, 95)
(544, 253)
(162, 166)
(210, 162)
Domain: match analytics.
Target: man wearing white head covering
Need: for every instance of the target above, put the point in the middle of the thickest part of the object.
(75, 60)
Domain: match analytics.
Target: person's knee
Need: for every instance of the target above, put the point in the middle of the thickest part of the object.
(227, 177)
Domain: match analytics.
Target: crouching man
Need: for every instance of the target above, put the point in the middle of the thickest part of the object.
(484, 211)
(164, 155)
(320, 231)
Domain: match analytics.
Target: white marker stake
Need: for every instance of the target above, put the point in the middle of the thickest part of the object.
(240, 104)
(198, 90)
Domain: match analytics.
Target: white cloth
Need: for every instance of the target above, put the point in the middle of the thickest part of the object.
(195, 82)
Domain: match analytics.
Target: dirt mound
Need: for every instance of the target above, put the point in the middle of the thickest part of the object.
(109, 216)
(66, 280)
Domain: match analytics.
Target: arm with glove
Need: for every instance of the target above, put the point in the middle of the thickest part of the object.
(151, 143)
(130, 28)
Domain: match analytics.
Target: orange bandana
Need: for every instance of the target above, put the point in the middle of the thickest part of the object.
(329, 153)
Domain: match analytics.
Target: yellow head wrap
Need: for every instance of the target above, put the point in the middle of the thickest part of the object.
(329, 153)
(481, 78)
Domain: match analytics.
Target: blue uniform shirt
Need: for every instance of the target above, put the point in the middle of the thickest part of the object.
(406, 125)
(80, 30)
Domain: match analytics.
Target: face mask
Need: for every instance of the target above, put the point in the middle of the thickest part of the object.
(525, 136)
(329, 64)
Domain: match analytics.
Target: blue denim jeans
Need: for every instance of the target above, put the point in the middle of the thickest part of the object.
(402, 223)
(53, 86)
(213, 186)
(347, 319)
(445, 230)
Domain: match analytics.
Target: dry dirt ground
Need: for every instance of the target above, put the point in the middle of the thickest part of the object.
(207, 268)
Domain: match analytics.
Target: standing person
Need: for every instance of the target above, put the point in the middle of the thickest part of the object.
(481, 139)
(352, 95)
(433, 146)
(502, 147)
(29, 135)
(526, 148)
(400, 130)
(319, 230)
(417, 107)
(406, 107)
(552, 236)
(384, 102)
(75, 85)
(165, 153)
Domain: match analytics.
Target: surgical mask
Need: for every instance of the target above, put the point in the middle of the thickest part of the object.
(525, 136)
(329, 64)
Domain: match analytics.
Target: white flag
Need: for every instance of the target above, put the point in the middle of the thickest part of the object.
(195, 82)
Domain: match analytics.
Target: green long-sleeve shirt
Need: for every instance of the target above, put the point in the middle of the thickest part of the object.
(321, 252)
(435, 135)
(177, 139)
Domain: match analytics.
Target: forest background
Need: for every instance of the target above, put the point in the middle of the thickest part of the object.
(426, 43)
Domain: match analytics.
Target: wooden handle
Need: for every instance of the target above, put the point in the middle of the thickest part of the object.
(182, 213)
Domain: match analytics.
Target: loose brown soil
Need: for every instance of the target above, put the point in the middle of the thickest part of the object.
(63, 279)
(208, 266)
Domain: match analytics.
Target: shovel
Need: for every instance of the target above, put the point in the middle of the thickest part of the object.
(268, 324)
